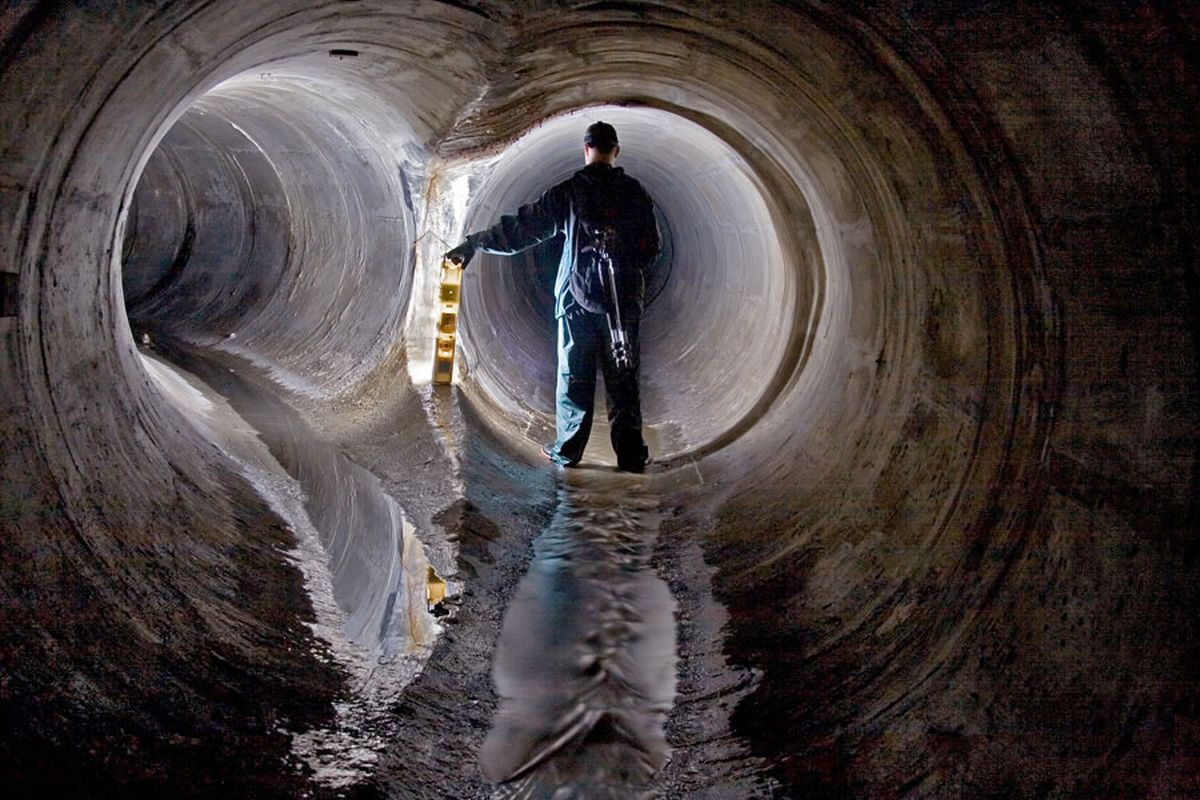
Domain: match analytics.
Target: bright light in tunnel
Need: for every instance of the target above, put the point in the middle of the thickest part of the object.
(446, 199)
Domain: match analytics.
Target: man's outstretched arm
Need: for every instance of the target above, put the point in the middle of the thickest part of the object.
(532, 224)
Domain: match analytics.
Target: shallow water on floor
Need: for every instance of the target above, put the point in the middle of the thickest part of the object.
(585, 666)
(365, 569)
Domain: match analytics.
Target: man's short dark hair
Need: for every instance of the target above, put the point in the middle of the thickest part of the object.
(601, 136)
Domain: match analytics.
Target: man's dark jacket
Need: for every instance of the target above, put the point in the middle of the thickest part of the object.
(561, 210)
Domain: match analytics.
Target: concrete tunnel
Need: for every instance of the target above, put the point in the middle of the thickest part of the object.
(920, 377)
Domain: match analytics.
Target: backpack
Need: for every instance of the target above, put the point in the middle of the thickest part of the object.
(601, 215)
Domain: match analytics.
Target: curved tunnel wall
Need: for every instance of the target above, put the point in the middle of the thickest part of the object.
(273, 217)
(975, 426)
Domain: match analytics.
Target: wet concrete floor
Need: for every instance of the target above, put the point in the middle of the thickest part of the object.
(585, 665)
(550, 670)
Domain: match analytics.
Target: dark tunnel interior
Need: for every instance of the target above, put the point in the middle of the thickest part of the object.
(920, 376)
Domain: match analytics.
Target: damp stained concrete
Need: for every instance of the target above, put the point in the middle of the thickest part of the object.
(570, 672)
(925, 376)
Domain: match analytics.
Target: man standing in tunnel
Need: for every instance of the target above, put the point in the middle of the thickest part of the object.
(610, 231)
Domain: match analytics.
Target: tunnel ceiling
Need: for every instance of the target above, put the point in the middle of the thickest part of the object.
(927, 342)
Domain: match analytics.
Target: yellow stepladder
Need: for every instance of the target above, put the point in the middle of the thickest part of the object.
(449, 294)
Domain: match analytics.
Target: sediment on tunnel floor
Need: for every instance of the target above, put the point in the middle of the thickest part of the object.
(934, 493)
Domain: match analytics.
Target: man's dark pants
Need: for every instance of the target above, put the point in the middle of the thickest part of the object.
(583, 339)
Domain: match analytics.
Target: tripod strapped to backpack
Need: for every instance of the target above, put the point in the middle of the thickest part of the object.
(603, 240)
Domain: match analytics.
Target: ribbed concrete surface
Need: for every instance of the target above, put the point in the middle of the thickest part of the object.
(925, 381)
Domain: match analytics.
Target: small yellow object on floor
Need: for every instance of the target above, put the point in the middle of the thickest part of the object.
(435, 589)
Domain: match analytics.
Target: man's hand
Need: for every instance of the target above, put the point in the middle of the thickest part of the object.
(462, 254)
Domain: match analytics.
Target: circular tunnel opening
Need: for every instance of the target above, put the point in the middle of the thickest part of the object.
(273, 220)
(721, 299)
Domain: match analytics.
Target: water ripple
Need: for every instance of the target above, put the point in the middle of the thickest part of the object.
(585, 667)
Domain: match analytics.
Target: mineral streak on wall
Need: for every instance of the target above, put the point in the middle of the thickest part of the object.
(926, 361)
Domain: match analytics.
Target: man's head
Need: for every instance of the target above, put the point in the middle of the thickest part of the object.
(600, 143)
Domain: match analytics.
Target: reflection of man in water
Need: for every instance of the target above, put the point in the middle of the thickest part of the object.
(598, 197)
(585, 665)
